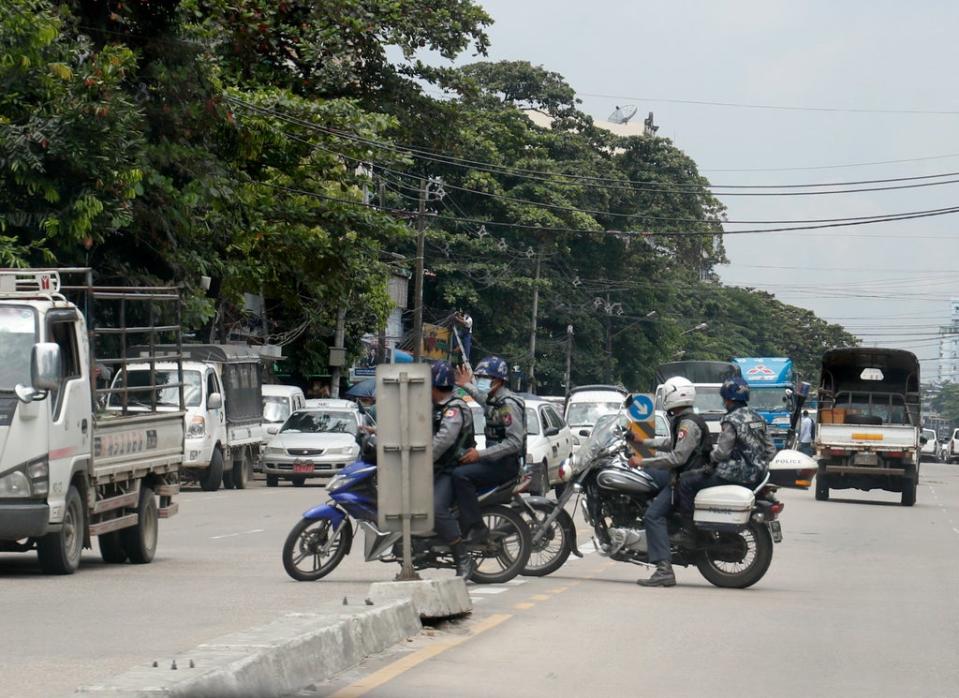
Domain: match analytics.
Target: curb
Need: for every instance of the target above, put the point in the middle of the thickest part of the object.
(273, 660)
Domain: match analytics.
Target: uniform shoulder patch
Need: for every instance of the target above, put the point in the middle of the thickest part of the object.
(450, 413)
(681, 434)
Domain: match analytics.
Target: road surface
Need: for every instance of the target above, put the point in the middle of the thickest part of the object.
(860, 600)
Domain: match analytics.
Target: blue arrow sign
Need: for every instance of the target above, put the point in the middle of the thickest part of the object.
(642, 408)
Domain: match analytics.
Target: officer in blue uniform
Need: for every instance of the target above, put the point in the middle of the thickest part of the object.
(453, 436)
(505, 448)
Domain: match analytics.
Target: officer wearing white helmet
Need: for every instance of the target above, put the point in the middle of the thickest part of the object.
(687, 448)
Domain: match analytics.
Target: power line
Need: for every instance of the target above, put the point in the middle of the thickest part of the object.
(776, 107)
(601, 182)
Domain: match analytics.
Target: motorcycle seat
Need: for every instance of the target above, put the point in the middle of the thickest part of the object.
(497, 494)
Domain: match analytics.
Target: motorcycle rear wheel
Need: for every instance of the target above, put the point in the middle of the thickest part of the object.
(757, 557)
(309, 543)
(506, 551)
(554, 548)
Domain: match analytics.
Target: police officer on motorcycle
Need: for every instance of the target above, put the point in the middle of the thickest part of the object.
(453, 436)
(505, 448)
(742, 454)
(686, 448)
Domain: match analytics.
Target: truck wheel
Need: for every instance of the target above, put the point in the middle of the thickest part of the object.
(909, 489)
(228, 483)
(272, 481)
(140, 541)
(111, 548)
(822, 487)
(242, 470)
(59, 552)
(210, 480)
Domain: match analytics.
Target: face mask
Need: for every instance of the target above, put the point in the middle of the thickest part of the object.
(484, 384)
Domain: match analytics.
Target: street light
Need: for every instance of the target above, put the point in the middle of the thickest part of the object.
(698, 328)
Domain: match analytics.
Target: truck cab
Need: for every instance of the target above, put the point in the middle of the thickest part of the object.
(769, 378)
(868, 434)
(70, 471)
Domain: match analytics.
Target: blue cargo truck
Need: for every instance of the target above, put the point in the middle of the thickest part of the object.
(768, 380)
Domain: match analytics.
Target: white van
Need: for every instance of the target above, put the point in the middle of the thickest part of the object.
(279, 402)
(588, 403)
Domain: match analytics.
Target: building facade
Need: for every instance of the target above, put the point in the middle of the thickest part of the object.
(949, 347)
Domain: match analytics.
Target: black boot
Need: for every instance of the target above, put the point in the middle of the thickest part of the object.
(464, 561)
(662, 577)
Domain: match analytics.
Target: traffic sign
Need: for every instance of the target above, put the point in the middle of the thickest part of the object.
(641, 414)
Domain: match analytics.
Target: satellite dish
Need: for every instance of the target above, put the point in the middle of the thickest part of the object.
(622, 115)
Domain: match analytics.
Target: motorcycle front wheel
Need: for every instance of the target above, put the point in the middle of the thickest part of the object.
(738, 560)
(314, 548)
(553, 548)
(506, 551)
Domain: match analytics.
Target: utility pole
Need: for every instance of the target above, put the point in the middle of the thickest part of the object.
(418, 283)
(381, 339)
(609, 341)
(569, 356)
(338, 353)
(532, 332)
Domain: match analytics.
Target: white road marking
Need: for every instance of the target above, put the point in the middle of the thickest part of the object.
(241, 533)
(488, 590)
(516, 582)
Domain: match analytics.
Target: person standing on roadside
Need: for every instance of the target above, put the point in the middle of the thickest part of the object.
(806, 427)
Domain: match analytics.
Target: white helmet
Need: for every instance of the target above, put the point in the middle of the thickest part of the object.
(678, 392)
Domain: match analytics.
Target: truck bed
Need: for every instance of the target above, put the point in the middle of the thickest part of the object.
(135, 444)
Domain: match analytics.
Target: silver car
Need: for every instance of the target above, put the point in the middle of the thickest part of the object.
(314, 442)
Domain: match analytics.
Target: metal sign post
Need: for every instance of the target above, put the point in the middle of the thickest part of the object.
(404, 454)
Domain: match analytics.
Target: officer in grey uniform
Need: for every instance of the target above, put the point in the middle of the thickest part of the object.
(453, 436)
(505, 448)
(743, 452)
(689, 448)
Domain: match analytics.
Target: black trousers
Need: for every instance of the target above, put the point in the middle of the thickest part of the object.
(466, 478)
(444, 523)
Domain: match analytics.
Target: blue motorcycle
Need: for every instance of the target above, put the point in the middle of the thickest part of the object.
(324, 536)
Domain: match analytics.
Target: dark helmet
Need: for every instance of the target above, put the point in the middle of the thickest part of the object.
(492, 367)
(442, 375)
(735, 389)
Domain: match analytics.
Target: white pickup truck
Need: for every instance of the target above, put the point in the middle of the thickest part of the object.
(869, 435)
(70, 470)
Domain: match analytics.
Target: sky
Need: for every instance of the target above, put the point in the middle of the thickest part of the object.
(890, 283)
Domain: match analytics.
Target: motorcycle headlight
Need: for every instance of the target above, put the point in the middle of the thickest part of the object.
(335, 482)
(15, 484)
(197, 428)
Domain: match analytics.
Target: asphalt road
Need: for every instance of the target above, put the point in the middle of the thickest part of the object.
(860, 600)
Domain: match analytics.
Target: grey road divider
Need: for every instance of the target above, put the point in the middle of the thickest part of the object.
(276, 659)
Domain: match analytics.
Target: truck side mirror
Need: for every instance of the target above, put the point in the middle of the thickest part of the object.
(45, 372)
(214, 401)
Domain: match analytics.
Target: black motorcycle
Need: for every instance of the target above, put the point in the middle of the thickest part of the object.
(735, 528)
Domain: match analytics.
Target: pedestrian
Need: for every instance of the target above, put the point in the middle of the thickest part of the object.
(806, 433)
(465, 332)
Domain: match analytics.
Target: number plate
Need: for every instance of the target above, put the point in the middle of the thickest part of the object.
(302, 467)
(777, 531)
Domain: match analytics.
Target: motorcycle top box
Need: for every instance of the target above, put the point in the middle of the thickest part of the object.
(635, 482)
(726, 505)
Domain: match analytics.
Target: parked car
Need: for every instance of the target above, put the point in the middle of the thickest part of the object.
(586, 404)
(314, 442)
(952, 448)
(929, 451)
(548, 440)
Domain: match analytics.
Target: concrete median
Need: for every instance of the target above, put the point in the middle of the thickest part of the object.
(276, 659)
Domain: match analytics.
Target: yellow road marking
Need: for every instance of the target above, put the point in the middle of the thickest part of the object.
(560, 590)
(401, 666)
(539, 597)
(523, 606)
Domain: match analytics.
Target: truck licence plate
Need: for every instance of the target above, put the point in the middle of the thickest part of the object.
(776, 529)
(302, 467)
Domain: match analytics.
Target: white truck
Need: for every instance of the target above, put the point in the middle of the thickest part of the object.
(224, 407)
(868, 435)
(70, 470)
